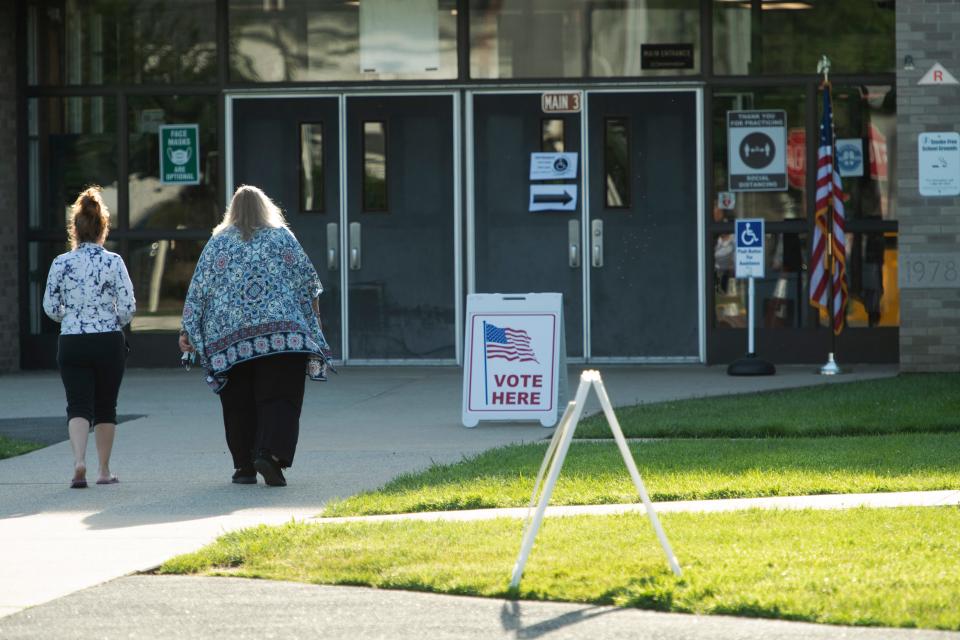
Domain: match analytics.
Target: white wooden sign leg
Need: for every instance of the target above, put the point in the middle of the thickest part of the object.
(634, 473)
(564, 444)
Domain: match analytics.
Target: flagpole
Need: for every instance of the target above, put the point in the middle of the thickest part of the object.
(486, 392)
(830, 368)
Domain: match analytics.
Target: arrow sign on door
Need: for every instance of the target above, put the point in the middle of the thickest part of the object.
(553, 197)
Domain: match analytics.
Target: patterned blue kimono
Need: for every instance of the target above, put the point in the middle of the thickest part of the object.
(253, 299)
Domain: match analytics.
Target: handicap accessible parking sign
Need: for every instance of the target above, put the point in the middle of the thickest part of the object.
(749, 256)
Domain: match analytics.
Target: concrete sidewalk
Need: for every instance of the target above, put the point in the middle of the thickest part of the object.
(358, 431)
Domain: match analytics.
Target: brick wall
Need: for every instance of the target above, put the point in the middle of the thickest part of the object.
(9, 294)
(929, 31)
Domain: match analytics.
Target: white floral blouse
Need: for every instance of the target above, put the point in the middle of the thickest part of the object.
(89, 291)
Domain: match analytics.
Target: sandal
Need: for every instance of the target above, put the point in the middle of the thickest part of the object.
(110, 480)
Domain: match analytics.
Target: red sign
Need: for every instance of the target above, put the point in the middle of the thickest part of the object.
(878, 153)
(797, 157)
(561, 102)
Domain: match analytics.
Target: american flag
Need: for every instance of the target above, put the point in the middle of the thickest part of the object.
(508, 344)
(829, 198)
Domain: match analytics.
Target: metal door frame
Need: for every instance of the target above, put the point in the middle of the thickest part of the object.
(343, 221)
(584, 187)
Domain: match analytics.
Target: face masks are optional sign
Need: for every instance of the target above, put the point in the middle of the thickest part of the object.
(179, 153)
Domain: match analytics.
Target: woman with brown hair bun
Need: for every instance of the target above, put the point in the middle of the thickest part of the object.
(90, 294)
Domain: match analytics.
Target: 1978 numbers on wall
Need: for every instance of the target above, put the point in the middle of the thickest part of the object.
(930, 271)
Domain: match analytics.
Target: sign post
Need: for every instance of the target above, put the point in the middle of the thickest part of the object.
(179, 153)
(750, 265)
(515, 358)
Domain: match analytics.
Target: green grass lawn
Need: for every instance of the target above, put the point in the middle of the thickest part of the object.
(906, 403)
(10, 447)
(890, 567)
(594, 473)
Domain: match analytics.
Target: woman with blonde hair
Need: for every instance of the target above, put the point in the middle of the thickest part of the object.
(253, 317)
(90, 294)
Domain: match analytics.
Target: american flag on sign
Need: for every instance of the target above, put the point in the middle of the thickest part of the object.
(829, 200)
(507, 344)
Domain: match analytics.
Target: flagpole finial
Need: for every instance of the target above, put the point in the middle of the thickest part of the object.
(823, 66)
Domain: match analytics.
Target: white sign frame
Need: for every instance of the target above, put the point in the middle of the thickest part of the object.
(540, 317)
(557, 165)
(938, 163)
(770, 124)
(553, 463)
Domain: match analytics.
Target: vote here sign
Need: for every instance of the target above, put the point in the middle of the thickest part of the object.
(511, 358)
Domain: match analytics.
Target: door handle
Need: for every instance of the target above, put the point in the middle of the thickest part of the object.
(573, 242)
(596, 243)
(356, 257)
(333, 244)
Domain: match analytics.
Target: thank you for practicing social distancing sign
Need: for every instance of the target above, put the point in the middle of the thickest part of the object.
(749, 257)
(757, 150)
(179, 153)
(512, 356)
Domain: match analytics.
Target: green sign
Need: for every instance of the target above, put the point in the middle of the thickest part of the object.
(179, 154)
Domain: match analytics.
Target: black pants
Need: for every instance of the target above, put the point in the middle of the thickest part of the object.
(261, 407)
(91, 366)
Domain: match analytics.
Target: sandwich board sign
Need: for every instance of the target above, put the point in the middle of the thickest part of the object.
(179, 153)
(512, 361)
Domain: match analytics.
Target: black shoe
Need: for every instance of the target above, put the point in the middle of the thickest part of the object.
(245, 475)
(270, 470)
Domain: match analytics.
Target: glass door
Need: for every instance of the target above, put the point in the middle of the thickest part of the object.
(517, 250)
(400, 216)
(290, 148)
(643, 226)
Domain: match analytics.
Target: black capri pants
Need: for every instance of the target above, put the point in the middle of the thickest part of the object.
(91, 366)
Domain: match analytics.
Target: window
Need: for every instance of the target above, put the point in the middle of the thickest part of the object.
(324, 40)
(161, 271)
(583, 38)
(552, 136)
(374, 166)
(71, 144)
(121, 42)
(170, 206)
(770, 205)
(753, 37)
(780, 298)
(311, 168)
(616, 162)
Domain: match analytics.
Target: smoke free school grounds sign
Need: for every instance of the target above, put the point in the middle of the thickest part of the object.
(179, 153)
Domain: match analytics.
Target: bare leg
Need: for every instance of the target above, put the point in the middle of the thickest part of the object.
(104, 433)
(78, 429)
